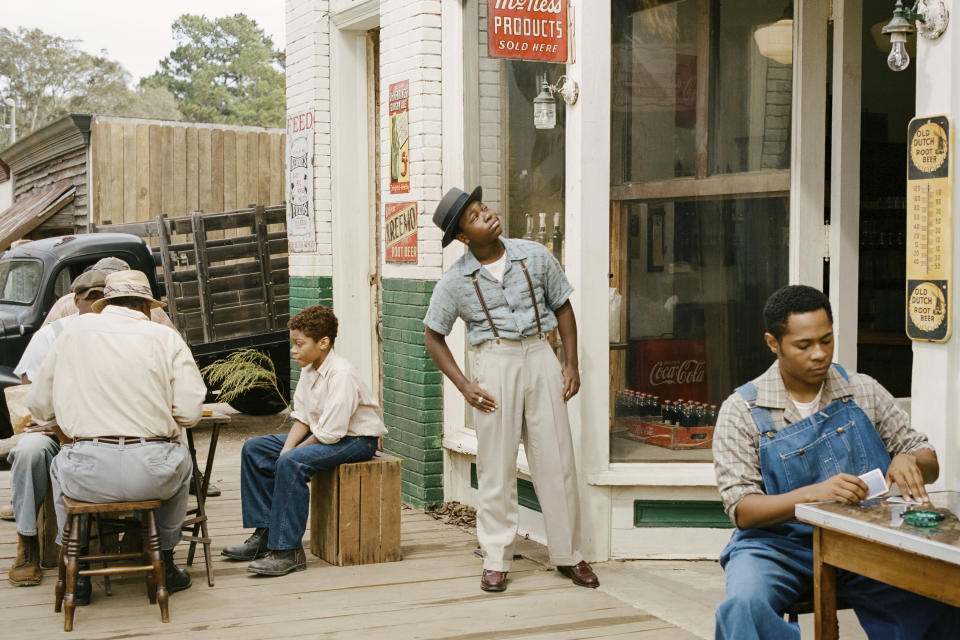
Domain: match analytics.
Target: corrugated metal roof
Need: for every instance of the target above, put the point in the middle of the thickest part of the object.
(28, 213)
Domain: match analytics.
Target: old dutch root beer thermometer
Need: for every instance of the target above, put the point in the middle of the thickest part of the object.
(929, 229)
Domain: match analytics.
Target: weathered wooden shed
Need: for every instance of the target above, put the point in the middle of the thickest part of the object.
(83, 171)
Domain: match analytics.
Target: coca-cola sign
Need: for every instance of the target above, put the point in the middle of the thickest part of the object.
(671, 369)
(528, 29)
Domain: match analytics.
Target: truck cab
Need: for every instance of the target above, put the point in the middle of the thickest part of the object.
(33, 276)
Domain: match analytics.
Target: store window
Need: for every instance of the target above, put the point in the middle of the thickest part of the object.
(701, 108)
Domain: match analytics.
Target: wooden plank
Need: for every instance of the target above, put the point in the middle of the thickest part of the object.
(263, 169)
(370, 474)
(192, 144)
(179, 202)
(100, 150)
(824, 592)
(203, 276)
(277, 168)
(235, 297)
(230, 283)
(226, 248)
(390, 514)
(129, 173)
(205, 159)
(230, 172)
(248, 268)
(266, 272)
(166, 264)
(253, 169)
(216, 170)
(349, 520)
(143, 173)
(734, 185)
(324, 492)
(223, 314)
(167, 198)
(115, 213)
(156, 171)
(702, 131)
(242, 176)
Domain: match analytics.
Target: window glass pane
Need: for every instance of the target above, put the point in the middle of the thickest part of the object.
(19, 280)
(699, 273)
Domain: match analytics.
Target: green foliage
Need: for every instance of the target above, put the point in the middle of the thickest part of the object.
(49, 77)
(224, 70)
(240, 372)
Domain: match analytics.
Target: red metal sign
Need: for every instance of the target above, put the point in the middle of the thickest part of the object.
(671, 369)
(400, 231)
(528, 29)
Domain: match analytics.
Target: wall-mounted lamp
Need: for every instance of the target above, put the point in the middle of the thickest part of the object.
(545, 107)
(930, 17)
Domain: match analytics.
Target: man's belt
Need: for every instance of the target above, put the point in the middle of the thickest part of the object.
(123, 439)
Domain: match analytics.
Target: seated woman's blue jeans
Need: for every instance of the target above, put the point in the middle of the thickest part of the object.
(274, 489)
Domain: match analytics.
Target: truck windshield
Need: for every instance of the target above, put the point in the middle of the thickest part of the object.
(20, 280)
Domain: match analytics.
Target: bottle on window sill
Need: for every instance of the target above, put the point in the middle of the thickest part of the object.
(528, 235)
(557, 238)
(542, 236)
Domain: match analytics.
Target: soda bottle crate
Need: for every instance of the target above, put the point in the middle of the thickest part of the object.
(670, 436)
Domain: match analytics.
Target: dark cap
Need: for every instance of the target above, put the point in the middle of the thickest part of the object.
(89, 281)
(451, 207)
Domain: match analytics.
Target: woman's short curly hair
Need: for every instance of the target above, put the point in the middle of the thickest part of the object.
(315, 322)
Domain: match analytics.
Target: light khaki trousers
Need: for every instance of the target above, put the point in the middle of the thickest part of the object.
(524, 376)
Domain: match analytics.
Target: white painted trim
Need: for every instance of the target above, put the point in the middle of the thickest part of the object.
(845, 178)
(352, 229)
(808, 142)
(656, 474)
(360, 17)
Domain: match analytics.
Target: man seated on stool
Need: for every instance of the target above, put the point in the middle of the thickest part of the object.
(802, 432)
(31, 457)
(122, 389)
(336, 420)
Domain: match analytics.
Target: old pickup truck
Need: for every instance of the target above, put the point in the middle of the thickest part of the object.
(223, 276)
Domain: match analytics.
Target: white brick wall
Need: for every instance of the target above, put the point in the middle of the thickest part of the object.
(308, 88)
(491, 101)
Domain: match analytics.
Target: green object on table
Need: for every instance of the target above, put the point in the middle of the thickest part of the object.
(922, 518)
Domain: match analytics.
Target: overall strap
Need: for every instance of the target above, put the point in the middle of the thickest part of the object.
(842, 371)
(486, 311)
(761, 417)
(533, 297)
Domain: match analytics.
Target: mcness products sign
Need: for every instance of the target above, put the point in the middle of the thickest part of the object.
(528, 29)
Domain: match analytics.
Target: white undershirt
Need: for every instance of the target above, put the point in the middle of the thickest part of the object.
(497, 267)
(807, 409)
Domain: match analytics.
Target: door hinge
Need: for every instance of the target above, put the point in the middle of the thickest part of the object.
(826, 241)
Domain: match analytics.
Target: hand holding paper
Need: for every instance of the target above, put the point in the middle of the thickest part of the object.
(876, 484)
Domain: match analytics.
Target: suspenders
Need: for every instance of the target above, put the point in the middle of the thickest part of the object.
(533, 299)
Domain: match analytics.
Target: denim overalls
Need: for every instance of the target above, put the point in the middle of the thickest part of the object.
(768, 569)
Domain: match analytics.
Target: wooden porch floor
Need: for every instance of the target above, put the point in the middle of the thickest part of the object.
(433, 593)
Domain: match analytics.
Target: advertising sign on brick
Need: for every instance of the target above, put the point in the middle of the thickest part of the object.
(399, 137)
(400, 231)
(301, 233)
(528, 29)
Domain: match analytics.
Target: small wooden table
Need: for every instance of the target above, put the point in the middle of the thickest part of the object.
(870, 539)
(196, 522)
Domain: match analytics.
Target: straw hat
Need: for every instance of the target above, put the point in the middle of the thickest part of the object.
(126, 284)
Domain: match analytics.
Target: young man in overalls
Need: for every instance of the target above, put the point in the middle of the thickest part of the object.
(802, 432)
(510, 293)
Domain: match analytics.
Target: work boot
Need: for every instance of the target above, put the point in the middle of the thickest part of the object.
(212, 490)
(253, 548)
(6, 512)
(280, 562)
(25, 571)
(177, 578)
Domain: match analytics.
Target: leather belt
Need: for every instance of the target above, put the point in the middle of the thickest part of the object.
(123, 439)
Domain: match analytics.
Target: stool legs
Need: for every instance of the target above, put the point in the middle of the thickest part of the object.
(72, 566)
(62, 568)
(158, 583)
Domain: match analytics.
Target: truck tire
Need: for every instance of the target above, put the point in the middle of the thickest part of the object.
(259, 402)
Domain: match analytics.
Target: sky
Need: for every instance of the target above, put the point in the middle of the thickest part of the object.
(135, 33)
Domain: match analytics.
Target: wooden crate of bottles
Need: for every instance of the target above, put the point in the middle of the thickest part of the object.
(674, 425)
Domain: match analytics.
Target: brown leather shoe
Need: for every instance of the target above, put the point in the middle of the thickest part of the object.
(493, 580)
(6, 512)
(25, 571)
(581, 574)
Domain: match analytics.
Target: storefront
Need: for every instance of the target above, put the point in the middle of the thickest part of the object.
(716, 150)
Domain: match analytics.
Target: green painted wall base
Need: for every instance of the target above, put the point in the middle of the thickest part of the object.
(680, 513)
(306, 292)
(526, 494)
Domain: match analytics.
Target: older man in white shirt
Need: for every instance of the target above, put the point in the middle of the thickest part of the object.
(122, 389)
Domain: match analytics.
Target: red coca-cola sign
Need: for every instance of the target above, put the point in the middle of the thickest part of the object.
(528, 29)
(671, 369)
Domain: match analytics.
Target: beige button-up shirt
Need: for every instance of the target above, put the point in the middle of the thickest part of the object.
(117, 373)
(66, 306)
(334, 402)
(736, 440)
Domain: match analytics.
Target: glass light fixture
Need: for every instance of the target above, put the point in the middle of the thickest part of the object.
(775, 40)
(545, 106)
(930, 17)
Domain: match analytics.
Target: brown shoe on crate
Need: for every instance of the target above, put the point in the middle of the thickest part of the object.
(493, 580)
(6, 512)
(581, 574)
(25, 571)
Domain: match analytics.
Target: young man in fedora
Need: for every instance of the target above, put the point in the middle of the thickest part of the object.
(511, 293)
(122, 388)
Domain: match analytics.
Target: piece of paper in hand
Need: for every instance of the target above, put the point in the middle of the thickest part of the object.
(902, 500)
(876, 484)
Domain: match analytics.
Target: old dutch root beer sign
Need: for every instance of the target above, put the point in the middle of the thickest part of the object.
(528, 29)
(400, 231)
(929, 229)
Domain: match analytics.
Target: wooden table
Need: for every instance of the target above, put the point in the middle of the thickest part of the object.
(870, 539)
(195, 525)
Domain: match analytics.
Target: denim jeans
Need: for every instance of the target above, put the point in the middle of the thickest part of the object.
(274, 489)
(29, 475)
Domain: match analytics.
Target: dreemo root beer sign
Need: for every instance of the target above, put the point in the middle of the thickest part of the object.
(528, 29)
(400, 231)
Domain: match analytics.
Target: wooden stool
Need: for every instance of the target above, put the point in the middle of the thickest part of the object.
(355, 512)
(70, 557)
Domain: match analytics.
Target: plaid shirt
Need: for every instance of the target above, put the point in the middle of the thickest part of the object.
(736, 441)
(508, 299)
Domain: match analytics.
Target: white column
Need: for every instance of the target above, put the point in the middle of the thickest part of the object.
(588, 260)
(936, 367)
